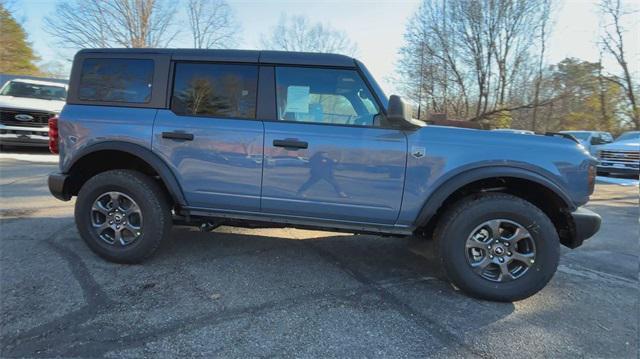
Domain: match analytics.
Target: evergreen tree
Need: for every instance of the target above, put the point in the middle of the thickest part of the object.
(16, 55)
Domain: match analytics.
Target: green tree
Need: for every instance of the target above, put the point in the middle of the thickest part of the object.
(16, 55)
(585, 98)
(501, 119)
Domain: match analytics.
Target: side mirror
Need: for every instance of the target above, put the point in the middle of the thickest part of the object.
(399, 114)
(398, 111)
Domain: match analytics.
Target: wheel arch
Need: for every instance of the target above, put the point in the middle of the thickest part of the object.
(100, 157)
(524, 183)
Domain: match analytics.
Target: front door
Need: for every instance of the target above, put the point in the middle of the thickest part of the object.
(325, 156)
(210, 136)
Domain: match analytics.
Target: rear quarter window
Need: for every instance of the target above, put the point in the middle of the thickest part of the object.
(116, 80)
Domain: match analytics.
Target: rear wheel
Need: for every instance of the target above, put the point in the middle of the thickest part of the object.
(498, 247)
(122, 215)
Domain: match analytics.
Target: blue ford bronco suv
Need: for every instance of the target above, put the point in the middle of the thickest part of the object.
(152, 137)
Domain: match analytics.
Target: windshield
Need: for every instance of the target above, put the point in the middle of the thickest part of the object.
(584, 136)
(632, 135)
(31, 90)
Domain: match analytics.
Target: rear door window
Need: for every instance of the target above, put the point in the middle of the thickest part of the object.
(116, 80)
(215, 90)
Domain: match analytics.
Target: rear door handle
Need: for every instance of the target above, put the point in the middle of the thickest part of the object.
(178, 136)
(292, 144)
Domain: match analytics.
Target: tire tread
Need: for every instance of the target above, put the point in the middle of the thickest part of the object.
(453, 213)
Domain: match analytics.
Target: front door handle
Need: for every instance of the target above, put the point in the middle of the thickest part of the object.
(178, 136)
(290, 144)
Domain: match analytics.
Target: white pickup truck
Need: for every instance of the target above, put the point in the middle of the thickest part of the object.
(25, 108)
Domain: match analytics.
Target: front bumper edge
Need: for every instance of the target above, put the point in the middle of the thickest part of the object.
(587, 223)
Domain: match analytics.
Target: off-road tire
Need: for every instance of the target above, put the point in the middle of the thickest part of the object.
(460, 220)
(153, 205)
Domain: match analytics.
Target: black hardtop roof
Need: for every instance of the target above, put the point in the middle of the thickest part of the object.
(265, 57)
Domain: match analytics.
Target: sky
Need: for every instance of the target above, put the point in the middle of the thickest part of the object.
(376, 26)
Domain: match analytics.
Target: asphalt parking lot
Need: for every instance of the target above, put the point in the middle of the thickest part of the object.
(241, 293)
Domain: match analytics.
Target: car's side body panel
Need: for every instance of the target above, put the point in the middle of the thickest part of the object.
(347, 173)
(113, 148)
(82, 126)
(449, 152)
(221, 168)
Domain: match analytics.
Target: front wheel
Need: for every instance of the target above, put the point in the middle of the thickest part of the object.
(497, 246)
(122, 215)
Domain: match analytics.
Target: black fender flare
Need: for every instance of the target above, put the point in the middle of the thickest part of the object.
(166, 174)
(449, 186)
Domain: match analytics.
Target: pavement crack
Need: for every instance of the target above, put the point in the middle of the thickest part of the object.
(92, 291)
(596, 275)
(95, 297)
(23, 179)
(91, 342)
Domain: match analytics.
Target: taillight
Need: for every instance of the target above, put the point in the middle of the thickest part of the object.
(53, 134)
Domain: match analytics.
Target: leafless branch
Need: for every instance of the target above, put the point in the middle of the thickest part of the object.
(612, 41)
(112, 23)
(212, 24)
(297, 33)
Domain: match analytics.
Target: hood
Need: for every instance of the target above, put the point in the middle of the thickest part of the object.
(25, 103)
(630, 145)
(505, 143)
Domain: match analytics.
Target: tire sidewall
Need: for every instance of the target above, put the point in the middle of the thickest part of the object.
(153, 230)
(458, 229)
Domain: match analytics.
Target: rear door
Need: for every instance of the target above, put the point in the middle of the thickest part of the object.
(325, 155)
(210, 135)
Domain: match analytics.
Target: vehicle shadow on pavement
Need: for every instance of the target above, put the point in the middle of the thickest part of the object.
(234, 285)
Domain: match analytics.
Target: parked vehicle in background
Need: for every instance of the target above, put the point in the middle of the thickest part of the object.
(286, 139)
(591, 139)
(513, 130)
(621, 156)
(25, 108)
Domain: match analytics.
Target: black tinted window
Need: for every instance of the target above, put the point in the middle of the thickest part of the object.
(217, 90)
(116, 80)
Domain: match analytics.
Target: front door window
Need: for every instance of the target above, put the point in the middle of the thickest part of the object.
(327, 96)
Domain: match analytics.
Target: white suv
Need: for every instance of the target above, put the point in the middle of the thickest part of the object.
(25, 109)
(622, 156)
(591, 140)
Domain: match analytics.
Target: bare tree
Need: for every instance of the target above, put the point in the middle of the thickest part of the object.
(430, 62)
(212, 24)
(299, 34)
(54, 69)
(543, 35)
(613, 43)
(112, 23)
(470, 58)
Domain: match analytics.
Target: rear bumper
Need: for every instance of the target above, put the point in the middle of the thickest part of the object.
(586, 224)
(58, 186)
